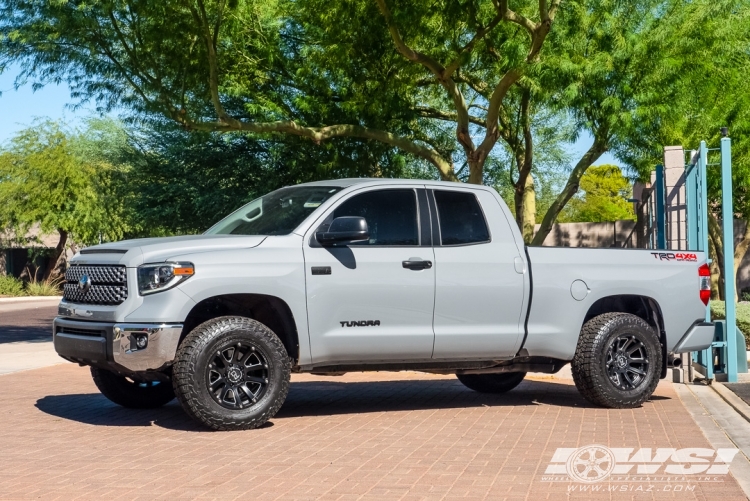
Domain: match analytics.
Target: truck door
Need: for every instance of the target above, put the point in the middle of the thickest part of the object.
(373, 300)
(479, 291)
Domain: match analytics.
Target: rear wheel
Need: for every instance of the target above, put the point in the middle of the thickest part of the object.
(130, 393)
(492, 383)
(618, 361)
(231, 373)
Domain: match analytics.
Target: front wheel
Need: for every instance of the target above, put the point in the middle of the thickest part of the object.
(231, 373)
(130, 393)
(618, 361)
(492, 383)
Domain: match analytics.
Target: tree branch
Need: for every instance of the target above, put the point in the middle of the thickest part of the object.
(319, 134)
(437, 69)
(524, 170)
(448, 117)
(571, 187)
(496, 101)
(513, 17)
(476, 85)
(213, 66)
(481, 33)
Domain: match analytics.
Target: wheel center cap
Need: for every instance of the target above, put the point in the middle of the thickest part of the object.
(234, 375)
(621, 361)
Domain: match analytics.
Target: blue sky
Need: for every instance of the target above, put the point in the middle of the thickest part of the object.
(18, 108)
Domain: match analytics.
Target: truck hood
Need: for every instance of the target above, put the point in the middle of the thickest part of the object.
(136, 252)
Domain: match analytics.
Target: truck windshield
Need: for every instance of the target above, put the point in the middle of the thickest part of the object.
(277, 213)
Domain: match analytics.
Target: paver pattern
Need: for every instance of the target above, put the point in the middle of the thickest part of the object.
(375, 436)
(742, 390)
(32, 324)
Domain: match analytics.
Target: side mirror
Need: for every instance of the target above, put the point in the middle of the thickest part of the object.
(345, 229)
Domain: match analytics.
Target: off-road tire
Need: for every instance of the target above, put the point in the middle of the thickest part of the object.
(132, 394)
(190, 373)
(589, 365)
(492, 383)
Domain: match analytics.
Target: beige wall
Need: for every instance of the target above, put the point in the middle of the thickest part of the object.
(589, 234)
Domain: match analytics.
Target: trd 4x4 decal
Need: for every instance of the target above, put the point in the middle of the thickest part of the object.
(671, 256)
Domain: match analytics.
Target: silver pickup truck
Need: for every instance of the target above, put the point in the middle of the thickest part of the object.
(371, 275)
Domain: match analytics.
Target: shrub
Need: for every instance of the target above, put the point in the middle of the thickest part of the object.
(10, 286)
(718, 312)
(43, 288)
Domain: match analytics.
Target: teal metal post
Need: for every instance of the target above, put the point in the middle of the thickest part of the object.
(707, 355)
(702, 198)
(727, 214)
(661, 206)
(691, 195)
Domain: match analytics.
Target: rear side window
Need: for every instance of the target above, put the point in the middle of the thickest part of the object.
(391, 216)
(461, 218)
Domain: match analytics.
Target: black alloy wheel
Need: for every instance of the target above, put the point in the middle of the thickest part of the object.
(617, 363)
(231, 373)
(237, 375)
(627, 362)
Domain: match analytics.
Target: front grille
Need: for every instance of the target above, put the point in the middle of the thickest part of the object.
(80, 332)
(109, 284)
(97, 274)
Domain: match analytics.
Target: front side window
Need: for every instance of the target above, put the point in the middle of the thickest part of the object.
(461, 218)
(391, 216)
(277, 213)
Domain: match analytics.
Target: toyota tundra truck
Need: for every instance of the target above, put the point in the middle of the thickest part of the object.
(371, 275)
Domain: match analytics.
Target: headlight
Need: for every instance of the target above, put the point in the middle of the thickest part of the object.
(162, 276)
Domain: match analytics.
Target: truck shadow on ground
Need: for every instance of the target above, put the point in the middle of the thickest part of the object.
(321, 398)
(24, 333)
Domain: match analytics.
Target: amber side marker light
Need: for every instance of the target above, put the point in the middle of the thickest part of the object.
(184, 271)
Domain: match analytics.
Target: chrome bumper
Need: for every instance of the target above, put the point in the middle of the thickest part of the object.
(115, 346)
(698, 337)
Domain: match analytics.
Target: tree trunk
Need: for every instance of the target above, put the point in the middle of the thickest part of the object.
(476, 168)
(715, 270)
(571, 187)
(714, 237)
(57, 259)
(528, 219)
(524, 193)
(739, 255)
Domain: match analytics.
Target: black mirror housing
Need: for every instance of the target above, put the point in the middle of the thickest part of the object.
(346, 229)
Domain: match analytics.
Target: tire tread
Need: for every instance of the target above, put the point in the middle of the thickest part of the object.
(590, 380)
(185, 366)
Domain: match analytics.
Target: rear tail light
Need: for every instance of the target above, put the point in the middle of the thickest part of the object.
(704, 275)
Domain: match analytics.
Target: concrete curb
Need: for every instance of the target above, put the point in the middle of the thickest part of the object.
(733, 400)
(22, 299)
(722, 426)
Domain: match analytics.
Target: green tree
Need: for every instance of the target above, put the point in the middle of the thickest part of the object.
(273, 67)
(447, 83)
(604, 197)
(710, 48)
(44, 181)
(183, 182)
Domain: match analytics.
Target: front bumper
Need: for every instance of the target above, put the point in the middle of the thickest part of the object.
(113, 346)
(698, 337)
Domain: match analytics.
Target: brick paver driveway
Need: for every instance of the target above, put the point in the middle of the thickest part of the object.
(381, 436)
